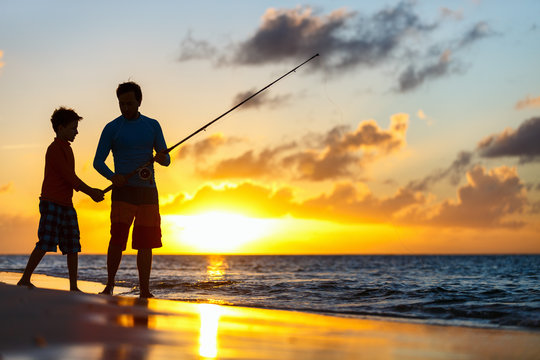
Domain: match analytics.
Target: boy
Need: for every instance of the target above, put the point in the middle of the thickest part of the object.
(58, 225)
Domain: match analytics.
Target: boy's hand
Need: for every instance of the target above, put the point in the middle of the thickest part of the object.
(161, 157)
(96, 194)
(118, 180)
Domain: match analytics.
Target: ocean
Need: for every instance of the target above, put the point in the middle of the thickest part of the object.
(500, 291)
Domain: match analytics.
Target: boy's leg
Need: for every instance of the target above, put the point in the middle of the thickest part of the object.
(114, 257)
(33, 261)
(73, 265)
(144, 265)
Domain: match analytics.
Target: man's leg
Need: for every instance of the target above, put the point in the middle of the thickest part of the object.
(144, 265)
(73, 266)
(114, 256)
(33, 261)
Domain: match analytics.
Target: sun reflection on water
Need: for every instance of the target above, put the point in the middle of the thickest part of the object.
(208, 338)
(216, 268)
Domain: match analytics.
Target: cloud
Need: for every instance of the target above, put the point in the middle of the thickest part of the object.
(339, 153)
(453, 173)
(6, 188)
(263, 99)
(192, 49)
(454, 14)
(418, 72)
(1, 57)
(346, 203)
(206, 147)
(486, 200)
(246, 198)
(18, 232)
(413, 77)
(249, 164)
(348, 40)
(522, 142)
(422, 116)
(528, 102)
(479, 31)
(344, 38)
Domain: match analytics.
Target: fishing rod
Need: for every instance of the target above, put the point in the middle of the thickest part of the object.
(144, 171)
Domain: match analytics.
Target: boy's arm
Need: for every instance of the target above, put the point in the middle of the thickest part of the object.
(102, 151)
(57, 160)
(96, 194)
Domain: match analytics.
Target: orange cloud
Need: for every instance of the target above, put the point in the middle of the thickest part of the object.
(1, 56)
(206, 146)
(20, 230)
(339, 156)
(246, 198)
(248, 165)
(528, 102)
(346, 203)
(487, 200)
(339, 153)
(6, 188)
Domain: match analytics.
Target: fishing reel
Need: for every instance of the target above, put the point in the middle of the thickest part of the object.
(145, 173)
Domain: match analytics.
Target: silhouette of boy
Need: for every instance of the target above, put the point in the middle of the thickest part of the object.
(58, 224)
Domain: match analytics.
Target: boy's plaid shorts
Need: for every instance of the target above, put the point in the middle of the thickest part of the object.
(58, 226)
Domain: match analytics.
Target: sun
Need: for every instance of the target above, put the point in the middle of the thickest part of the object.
(218, 231)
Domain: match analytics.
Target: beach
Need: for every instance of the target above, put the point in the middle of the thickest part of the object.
(51, 323)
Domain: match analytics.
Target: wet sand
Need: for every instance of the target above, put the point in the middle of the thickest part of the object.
(49, 323)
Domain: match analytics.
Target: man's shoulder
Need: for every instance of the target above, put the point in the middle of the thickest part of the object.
(149, 119)
(113, 124)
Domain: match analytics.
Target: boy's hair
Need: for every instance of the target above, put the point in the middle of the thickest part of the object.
(63, 116)
(129, 86)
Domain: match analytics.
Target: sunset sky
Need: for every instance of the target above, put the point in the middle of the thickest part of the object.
(417, 130)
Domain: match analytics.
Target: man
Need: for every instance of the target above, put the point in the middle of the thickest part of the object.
(132, 137)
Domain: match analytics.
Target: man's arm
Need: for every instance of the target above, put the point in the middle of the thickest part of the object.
(102, 151)
(160, 146)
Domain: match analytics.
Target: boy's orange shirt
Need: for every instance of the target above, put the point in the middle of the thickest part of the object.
(60, 179)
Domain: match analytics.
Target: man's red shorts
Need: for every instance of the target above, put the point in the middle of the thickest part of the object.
(141, 204)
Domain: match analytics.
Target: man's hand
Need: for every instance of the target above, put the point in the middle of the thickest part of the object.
(118, 180)
(96, 194)
(161, 157)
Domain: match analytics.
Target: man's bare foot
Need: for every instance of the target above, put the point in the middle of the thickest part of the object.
(108, 290)
(28, 284)
(145, 295)
(75, 289)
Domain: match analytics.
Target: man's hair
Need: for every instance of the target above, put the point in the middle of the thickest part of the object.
(63, 116)
(129, 86)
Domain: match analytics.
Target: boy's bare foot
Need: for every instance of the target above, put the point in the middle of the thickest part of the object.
(108, 290)
(28, 284)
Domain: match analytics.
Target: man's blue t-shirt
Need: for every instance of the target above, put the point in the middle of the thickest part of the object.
(132, 143)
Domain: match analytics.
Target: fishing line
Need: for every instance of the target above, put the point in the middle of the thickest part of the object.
(330, 100)
(144, 171)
